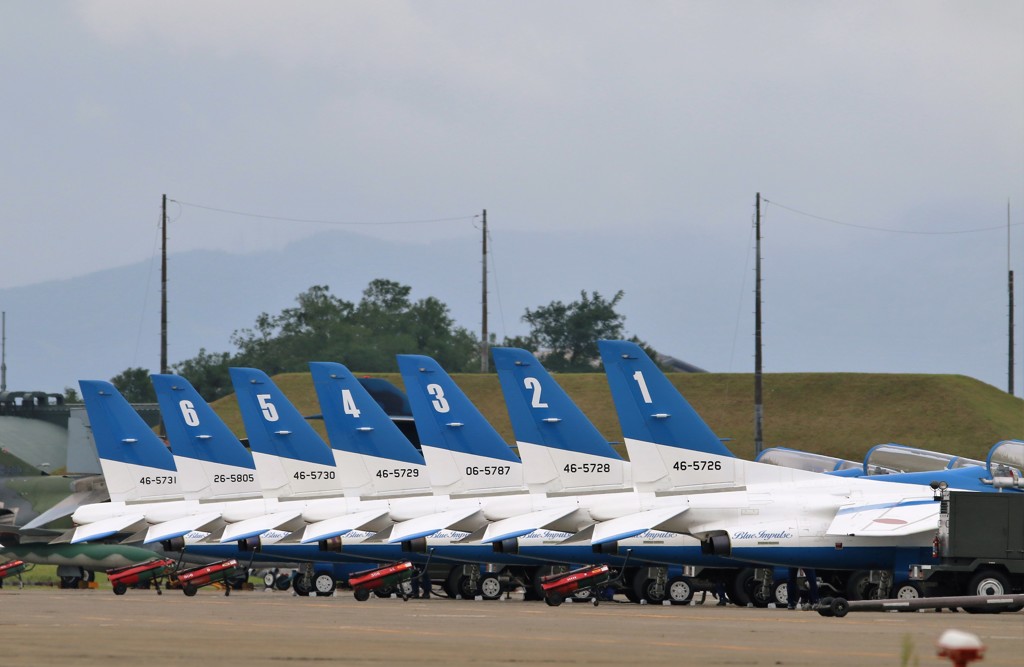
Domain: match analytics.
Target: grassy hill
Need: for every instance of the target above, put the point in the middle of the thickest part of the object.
(839, 414)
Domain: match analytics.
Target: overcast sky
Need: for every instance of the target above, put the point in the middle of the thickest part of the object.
(646, 120)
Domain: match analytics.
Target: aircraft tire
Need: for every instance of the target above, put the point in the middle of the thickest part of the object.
(324, 584)
(906, 590)
(780, 593)
(490, 587)
(859, 587)
(679, 590)
(300, 585)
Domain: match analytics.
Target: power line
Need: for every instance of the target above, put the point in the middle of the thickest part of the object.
(320, 221)
(885, 229)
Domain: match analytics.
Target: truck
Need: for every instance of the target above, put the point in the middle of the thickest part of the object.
(979, 547)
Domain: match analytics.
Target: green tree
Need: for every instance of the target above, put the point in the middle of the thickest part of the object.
(134, 385)
(209, 371)
(565, 335)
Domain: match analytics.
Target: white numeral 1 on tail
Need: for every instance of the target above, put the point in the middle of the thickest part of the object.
(639, 377)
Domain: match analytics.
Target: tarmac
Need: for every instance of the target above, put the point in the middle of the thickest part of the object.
(87, 628)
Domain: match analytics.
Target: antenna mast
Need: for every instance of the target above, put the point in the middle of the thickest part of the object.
(758, 401)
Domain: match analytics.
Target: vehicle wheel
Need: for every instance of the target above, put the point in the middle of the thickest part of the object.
(361, 594)
(120, 588)
(70, 582)
(825, 607)
(739, 592)
(859, 586)
(189, 589)
(780, 593)
(679, 590)
(490, 587)
(988, 582)
(466, 588)
(759, 596)
(906, 590)
(839, 607)
(583, 595)
(553, 599)
(652, 592)
(383, 591)
(300, 584)
(324, 584)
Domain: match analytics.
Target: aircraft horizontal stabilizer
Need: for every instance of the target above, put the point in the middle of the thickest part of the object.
(525, 524)
(178, 527)
(257, 526)
(336, 526)
(126, 523)
(425, 526)
(906, 517)
(68, 506)
(627, 526)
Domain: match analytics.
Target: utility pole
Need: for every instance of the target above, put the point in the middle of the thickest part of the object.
(1009, 273)
(484, 362)
(163, 288)
(758, 401)
(3, 355)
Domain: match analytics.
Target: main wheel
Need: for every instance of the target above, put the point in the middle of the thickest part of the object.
(120, 588)
(282, 582)
(859, 586)
(70, 582)
(188, 589)
(759, 596)
(739, 592)
(324, 584)
(466, 588)
(906, 590)
(780, 593)
(300, 584)
(490, 587)
(679, 590)
(988, 582)
(361, 594)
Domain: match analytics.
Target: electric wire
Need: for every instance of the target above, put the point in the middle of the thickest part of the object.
(318, 221)
(886, 229)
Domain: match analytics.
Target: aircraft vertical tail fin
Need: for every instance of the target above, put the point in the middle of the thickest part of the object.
(291, 459)
(212, 464)
(562, 450)
(373, 457)
(137, 466)
(670, 447)
(464, 453)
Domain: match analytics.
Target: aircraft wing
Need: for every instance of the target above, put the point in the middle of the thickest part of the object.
(258, 525)
(628, 526)
(179, 527)
(107, 527)
(428, 525)
(524, 524)
(906, 517)
(339, 525)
